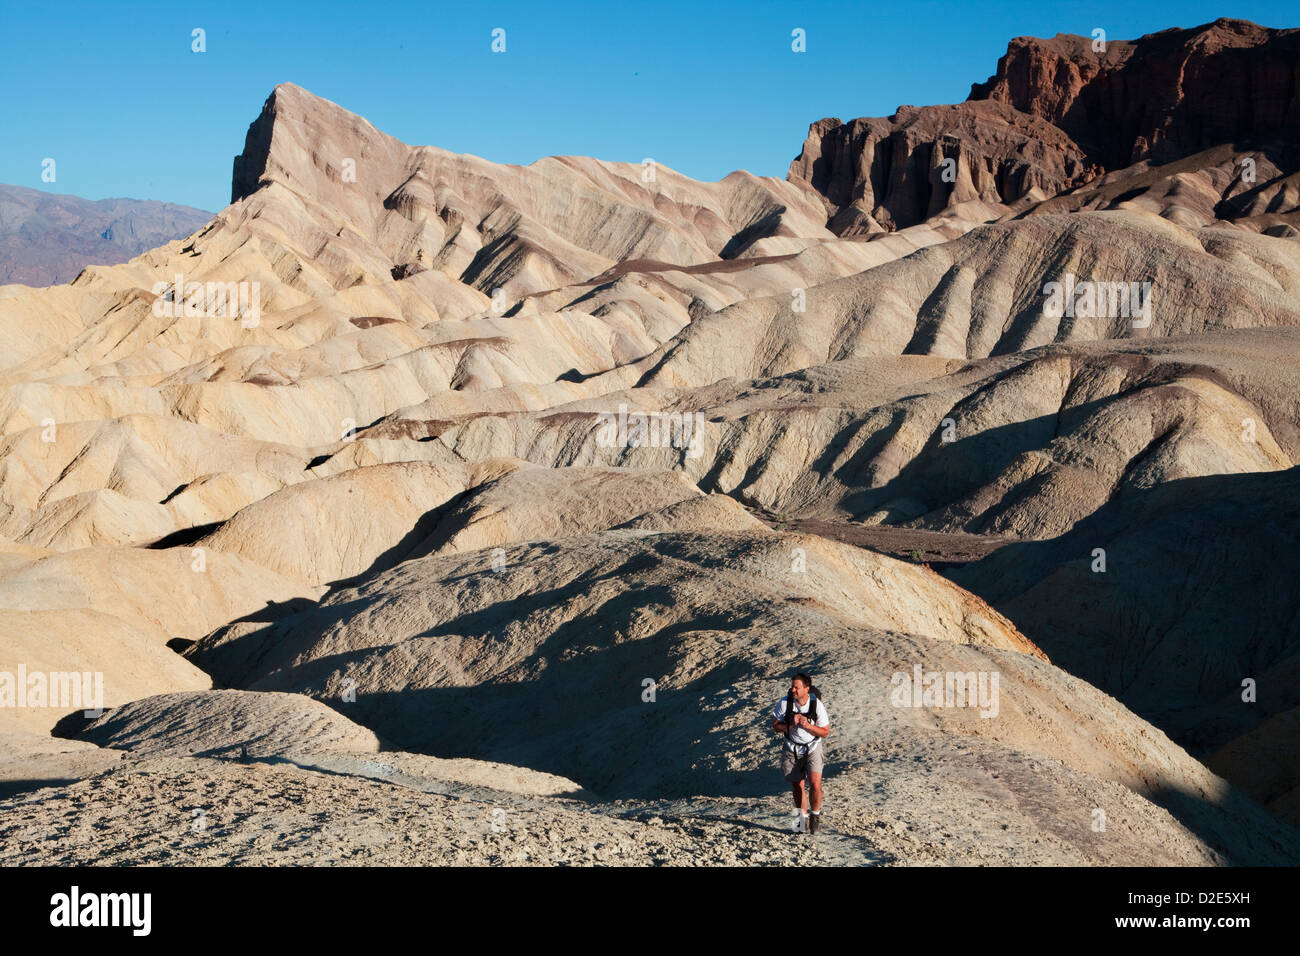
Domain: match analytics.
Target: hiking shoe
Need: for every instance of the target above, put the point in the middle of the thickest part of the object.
(813, 820)
(800, 824)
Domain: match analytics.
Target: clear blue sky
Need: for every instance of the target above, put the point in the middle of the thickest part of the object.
(114, 94)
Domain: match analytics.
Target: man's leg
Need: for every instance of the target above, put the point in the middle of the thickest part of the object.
(816, 760)
(800, 817)
(792, 768)
(816, 780)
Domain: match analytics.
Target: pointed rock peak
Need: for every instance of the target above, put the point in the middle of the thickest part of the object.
(297, 137)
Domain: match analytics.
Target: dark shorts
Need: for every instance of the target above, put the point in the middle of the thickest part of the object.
(795, 767)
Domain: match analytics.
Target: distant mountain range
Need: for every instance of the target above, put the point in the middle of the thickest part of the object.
(46, 238)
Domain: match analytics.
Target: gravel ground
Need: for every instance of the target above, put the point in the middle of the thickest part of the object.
(144, 814)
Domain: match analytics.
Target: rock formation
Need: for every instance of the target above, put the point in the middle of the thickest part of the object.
(1060, 113)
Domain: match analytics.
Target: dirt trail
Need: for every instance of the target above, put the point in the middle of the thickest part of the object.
(771, 818)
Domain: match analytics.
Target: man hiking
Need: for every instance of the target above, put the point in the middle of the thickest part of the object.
(802, 719)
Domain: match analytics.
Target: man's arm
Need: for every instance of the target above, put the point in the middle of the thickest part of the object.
(779, 725)
(805, 724)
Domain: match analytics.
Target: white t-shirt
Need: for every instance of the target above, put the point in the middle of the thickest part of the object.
(799, 735)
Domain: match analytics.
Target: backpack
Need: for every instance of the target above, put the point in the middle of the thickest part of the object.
(789, 717)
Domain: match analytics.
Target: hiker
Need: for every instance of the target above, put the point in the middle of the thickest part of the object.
(803, 752)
